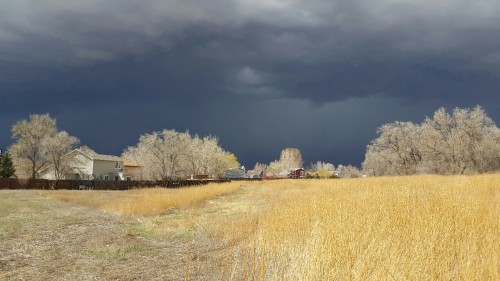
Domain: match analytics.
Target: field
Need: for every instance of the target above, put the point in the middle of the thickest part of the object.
(390, 228)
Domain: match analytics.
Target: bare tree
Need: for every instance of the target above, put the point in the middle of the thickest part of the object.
(195, 155)
(30, 136)
(133, 153)
(323, 169)
(464, 142)
(214, 159)
(349, 172)
(397, 148)
(260, 167)
(291, 158)
(162, 152)
(274, 168)
(208, 151)
(56, 148)
(170, 154)
(461, 142)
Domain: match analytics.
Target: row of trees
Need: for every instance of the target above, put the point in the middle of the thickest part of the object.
(462, 142)
(327, 170)
(163, 155)
(291, 158)
(465, 141)
(170, 154)
(38, 144)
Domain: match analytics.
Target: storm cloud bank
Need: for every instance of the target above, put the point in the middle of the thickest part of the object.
(188, 61)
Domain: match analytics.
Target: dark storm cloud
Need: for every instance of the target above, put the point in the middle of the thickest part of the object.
(266, 61)
(325, 50)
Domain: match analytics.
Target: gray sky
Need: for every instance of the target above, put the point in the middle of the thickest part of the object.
(320, 75)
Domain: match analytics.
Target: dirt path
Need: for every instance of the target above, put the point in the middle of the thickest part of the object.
(43, 239)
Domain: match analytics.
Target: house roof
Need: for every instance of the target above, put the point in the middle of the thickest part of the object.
(96, 156)
(288, 171)
(103, 157)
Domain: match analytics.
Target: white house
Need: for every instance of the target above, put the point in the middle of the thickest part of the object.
(235, 173)
(88, 165)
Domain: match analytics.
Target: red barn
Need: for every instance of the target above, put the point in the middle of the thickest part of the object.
(297, 173)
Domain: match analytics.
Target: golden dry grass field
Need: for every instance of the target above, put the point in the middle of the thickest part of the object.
(390, 228)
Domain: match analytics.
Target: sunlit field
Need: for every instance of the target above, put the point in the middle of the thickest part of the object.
(390, 228)
(150, 201)
(408, 228)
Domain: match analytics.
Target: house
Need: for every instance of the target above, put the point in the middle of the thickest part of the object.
(235, 173)
(132, 170)
(253, 174)
(294, 173)
(88, 165)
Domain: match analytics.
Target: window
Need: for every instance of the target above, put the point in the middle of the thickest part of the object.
(129, 178)
(106, 178)
(118, 165)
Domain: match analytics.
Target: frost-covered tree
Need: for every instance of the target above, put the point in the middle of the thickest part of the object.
(290, 158)
(38, 142)
(398, 147)
(459, 143)
(274, 168)
(162, 153)
(30, 137)
(170, 154)
(349, 171)
(463, 142)
(56, 148)
(260, 167)
(323, 169)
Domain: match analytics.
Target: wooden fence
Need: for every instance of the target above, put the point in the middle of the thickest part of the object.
(97, 184)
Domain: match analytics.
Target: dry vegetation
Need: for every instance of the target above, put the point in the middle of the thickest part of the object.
(151, 201)
(401, 228)
(411, 228)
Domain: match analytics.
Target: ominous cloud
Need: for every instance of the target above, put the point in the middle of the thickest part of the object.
(244, 69)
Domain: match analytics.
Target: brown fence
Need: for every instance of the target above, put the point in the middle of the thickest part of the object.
(96, 184)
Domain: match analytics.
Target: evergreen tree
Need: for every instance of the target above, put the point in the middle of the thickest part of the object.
(7, 169)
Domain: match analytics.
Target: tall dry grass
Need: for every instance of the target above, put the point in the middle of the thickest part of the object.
(145, 202)
(389, 228)
(394, 228)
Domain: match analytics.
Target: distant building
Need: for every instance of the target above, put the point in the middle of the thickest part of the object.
(132, 170)
(235, 173)
(295, 173)
(252, 174)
